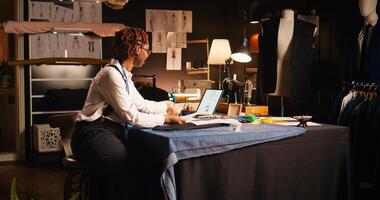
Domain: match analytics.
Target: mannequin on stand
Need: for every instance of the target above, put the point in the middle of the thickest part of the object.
(284, 51)
(368, 43)
(284, 59)
(286, 56)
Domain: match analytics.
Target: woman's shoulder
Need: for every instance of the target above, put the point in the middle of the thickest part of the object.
(108, 73)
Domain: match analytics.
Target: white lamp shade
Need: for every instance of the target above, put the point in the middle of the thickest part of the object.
(220, 51)
(241, 57)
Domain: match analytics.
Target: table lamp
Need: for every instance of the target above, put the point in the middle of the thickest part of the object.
(220, 52)
(242, 53)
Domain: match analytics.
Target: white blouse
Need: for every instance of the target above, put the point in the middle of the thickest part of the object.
(109, 87)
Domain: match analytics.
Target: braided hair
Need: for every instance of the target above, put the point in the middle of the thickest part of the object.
(126, 42)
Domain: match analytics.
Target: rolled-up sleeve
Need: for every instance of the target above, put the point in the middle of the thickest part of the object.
(146, 106)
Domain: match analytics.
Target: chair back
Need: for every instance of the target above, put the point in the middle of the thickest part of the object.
(66, 124)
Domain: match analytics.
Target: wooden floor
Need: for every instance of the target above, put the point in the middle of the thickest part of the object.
(32, 181)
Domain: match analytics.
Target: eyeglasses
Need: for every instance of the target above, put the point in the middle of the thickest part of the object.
(148, 51)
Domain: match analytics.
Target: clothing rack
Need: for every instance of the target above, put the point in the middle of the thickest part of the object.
(365, 86)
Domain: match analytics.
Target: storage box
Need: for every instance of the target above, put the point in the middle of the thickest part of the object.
(46, 139)
(256, 110)
(201, 84)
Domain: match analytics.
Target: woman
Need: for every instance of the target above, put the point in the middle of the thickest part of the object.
(112, 106)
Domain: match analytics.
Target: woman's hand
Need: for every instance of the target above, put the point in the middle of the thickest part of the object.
(171, 110)
(173, 119)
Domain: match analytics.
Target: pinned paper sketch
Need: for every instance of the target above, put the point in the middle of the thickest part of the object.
(158, 42)
(168, 20)
(172, 21)
(39, 45)
(155, 20)
(171, 40)
(173, 59)
(176, 40)
(57, 44)
(62, 14)
(68, 15)
(179, 21)
(87, 12)
(40, 10)
(187, 21)
(92, 47)
(75, 46)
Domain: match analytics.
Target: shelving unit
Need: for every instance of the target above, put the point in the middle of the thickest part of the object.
(44, 77)
(62, 62)
(194, 71)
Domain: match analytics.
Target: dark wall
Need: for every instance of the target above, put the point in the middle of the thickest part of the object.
(339, 26)
(211, 19)
(7, 10)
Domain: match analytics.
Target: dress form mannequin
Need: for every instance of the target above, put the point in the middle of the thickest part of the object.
(368, 11)
(367, 64)
(284, 51)
(285, 60)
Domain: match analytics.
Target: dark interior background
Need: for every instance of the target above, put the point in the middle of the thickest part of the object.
(339, 25)
(211, 19)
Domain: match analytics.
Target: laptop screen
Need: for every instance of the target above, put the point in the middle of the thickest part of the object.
(209, 101)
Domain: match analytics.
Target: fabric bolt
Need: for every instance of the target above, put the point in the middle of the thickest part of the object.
(100, 29)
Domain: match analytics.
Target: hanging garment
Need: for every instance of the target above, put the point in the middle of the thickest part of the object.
(351, 95)
(301, 59)
(366, 65)
(336, 107)
(345, 115)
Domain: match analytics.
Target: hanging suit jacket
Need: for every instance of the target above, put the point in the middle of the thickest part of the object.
(373, 60)
(371, 71)
(302, 58)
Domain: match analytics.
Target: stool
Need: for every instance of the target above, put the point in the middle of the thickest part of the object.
(76, 180)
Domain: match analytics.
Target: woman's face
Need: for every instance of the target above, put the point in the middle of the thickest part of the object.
(142, 54)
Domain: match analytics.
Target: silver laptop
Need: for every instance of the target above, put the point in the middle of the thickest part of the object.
(207, 105)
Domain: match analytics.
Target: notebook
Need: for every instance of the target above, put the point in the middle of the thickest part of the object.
(207, 105)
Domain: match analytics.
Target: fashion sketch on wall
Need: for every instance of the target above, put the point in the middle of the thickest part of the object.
(64, 44)
(159, 42)
(176, 40)
(168, 20)
(173, 59)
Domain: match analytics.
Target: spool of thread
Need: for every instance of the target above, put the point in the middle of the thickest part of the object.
(251, 117)
(188, 65)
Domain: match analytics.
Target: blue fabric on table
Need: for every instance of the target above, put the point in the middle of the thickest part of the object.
(170, 147)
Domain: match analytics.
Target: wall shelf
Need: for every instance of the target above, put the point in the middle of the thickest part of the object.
(198, 48)
(197, 71)
(61, 79)
(55, 112)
